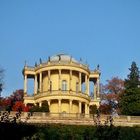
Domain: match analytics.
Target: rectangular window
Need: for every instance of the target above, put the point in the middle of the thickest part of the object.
(64, 85)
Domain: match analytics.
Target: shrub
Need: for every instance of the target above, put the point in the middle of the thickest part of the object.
(43, 108)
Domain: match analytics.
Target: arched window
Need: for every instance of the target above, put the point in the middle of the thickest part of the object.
(64, 85)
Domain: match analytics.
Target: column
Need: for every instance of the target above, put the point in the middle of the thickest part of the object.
(98, 88)
(49, 80)
(70, 106)
(70, 80)
(80, 104)
(40, 82)
(59, 106)
(86, 84)
(48, 103)
(35, 85)
(40, 104)
(59, 81)
(80, 81)
(95, 90)
(25, 84)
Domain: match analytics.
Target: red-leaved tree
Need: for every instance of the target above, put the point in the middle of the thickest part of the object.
(114, 86)
(19, 106)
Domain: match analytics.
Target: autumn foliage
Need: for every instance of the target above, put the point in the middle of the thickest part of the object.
(112, 96)
(114, 86)
(19, 106)
(14, 102)
(105, 108)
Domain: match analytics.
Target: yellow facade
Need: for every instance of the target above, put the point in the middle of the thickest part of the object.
(64, 83)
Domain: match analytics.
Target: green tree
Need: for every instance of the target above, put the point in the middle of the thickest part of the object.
(43, 108)
(132, 80)
(130, 99)
(93, 109)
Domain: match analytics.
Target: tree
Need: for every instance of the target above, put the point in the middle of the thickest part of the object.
(105, 108)
(132, 80)
(130, 102)
(110, 98)
(19, 106)
(8, 102)
(114, 86)
(93, 109)
(17, 95)
(1, 80)
(109, 104)
(130, 99)
(43, 108)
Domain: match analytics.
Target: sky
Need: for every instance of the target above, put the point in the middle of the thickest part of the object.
(104, 32)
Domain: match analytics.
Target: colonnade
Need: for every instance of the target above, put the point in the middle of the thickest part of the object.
(38, 86)
(86, 106)
(96, 91)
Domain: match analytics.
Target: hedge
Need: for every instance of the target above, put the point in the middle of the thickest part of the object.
(66, 132)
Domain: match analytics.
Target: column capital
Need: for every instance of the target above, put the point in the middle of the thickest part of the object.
(70, 100)
(59, 70)
(80, 102)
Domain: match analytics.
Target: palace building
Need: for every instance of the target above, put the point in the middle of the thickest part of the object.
(64, 83)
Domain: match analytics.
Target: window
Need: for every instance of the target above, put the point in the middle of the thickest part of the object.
(64, 85)
(77, 87)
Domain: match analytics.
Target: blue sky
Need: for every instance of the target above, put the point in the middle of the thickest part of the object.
(105, 32)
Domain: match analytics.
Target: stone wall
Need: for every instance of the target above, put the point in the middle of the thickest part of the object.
(81, 119)
(76, 119)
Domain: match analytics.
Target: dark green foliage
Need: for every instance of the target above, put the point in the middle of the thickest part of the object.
(93, 109)
(132, 80)
(130, 102)
(130, 99)
(43, 108)
(67, 132)
(128, 133)
(107, 133)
